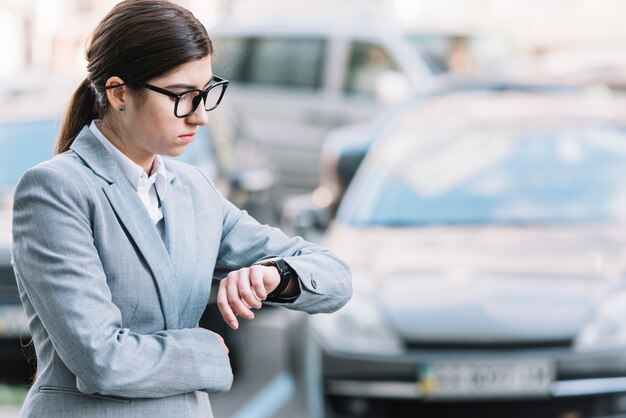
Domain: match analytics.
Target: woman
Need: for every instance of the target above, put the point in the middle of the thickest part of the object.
(115, 247)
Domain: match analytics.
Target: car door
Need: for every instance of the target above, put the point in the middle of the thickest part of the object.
(279, 94)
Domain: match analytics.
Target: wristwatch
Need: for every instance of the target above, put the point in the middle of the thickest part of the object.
(284, 271)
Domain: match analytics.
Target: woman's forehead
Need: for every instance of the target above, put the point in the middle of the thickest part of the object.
(195, 73)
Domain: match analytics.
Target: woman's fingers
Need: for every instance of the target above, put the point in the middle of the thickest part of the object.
(234, 280)
(257, 274)
(243, 290)
(246, 293)
(224, 306)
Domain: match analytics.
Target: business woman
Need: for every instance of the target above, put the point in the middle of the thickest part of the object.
(115, 247)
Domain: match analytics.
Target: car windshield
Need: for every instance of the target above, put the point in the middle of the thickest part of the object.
(497, 176)
(23, 145)
(460, 53)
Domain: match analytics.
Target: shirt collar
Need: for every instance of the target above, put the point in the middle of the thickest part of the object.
(133, 171)
(159, 173)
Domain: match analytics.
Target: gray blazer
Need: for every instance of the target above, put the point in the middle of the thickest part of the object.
(113, 309)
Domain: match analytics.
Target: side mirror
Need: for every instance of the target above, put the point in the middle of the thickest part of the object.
(254, 181)
(253, 190)
(302, 217)
(392, 87)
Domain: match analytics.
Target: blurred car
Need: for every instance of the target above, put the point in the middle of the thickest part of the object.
(33, 81)
(28, 133)
(487, 240)
(345, 147)
(599, 63)
(22, 145)
(291, 81)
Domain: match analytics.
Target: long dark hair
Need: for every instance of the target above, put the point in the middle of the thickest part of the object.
(138, 40)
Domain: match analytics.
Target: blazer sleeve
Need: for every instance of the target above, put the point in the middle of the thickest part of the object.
(325, 280)
(60, 273)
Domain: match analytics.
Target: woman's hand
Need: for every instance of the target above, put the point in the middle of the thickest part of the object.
(243, 290)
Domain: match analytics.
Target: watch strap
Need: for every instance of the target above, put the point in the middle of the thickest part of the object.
(285, 273)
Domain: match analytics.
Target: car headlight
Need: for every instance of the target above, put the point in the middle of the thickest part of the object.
(607, 329)
(359, 327)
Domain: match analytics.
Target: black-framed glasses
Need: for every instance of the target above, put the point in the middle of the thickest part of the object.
(187, 101)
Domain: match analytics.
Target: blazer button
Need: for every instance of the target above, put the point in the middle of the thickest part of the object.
(314, 283)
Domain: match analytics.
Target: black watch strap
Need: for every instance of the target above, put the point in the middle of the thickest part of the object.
(285, 273)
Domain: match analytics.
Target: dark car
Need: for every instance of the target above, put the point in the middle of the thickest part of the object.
(22, 145)
(487, 241)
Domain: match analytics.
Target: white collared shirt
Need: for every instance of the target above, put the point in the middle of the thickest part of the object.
(151, 189)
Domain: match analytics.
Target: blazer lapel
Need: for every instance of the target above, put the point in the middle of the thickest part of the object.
(134, 217)
(179, 232)
(137, 222)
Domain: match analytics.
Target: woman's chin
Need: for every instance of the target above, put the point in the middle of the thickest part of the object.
(175, 151)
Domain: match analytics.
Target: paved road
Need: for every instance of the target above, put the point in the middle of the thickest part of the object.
(9, 411)
(263, 387)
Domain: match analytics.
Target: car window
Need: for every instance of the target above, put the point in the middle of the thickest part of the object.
(365, 64)
(542, 177)
(229, 58)
(462, 53)
(441, 52)
(290, 62)
(24, 145)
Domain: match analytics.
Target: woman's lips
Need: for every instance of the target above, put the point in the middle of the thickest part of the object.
(187, 137)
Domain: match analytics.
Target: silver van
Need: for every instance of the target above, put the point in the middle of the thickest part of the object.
(292, 83)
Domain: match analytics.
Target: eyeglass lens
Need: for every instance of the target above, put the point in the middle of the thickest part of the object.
(188, 102)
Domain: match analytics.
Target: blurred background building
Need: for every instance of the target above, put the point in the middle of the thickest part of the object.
(50, 34)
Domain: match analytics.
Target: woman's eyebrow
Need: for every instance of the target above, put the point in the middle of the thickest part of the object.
(185, 86)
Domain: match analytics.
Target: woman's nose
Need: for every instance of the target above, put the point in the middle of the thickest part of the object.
(199, 117)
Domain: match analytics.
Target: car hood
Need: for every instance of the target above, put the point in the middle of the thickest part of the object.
(484, 284)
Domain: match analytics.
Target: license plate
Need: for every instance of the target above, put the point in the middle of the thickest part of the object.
(13, 322)
(477, 379)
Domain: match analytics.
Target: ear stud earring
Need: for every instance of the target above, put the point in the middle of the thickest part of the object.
(121, 108)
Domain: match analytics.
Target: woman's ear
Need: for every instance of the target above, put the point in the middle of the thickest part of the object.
(116, 93)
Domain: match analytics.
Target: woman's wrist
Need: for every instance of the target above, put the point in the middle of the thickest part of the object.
(287, 285)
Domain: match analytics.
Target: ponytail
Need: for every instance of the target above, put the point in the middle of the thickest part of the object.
(82, 110)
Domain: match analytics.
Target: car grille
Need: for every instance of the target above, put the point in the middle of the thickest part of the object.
(487, 346)
(8, 286)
